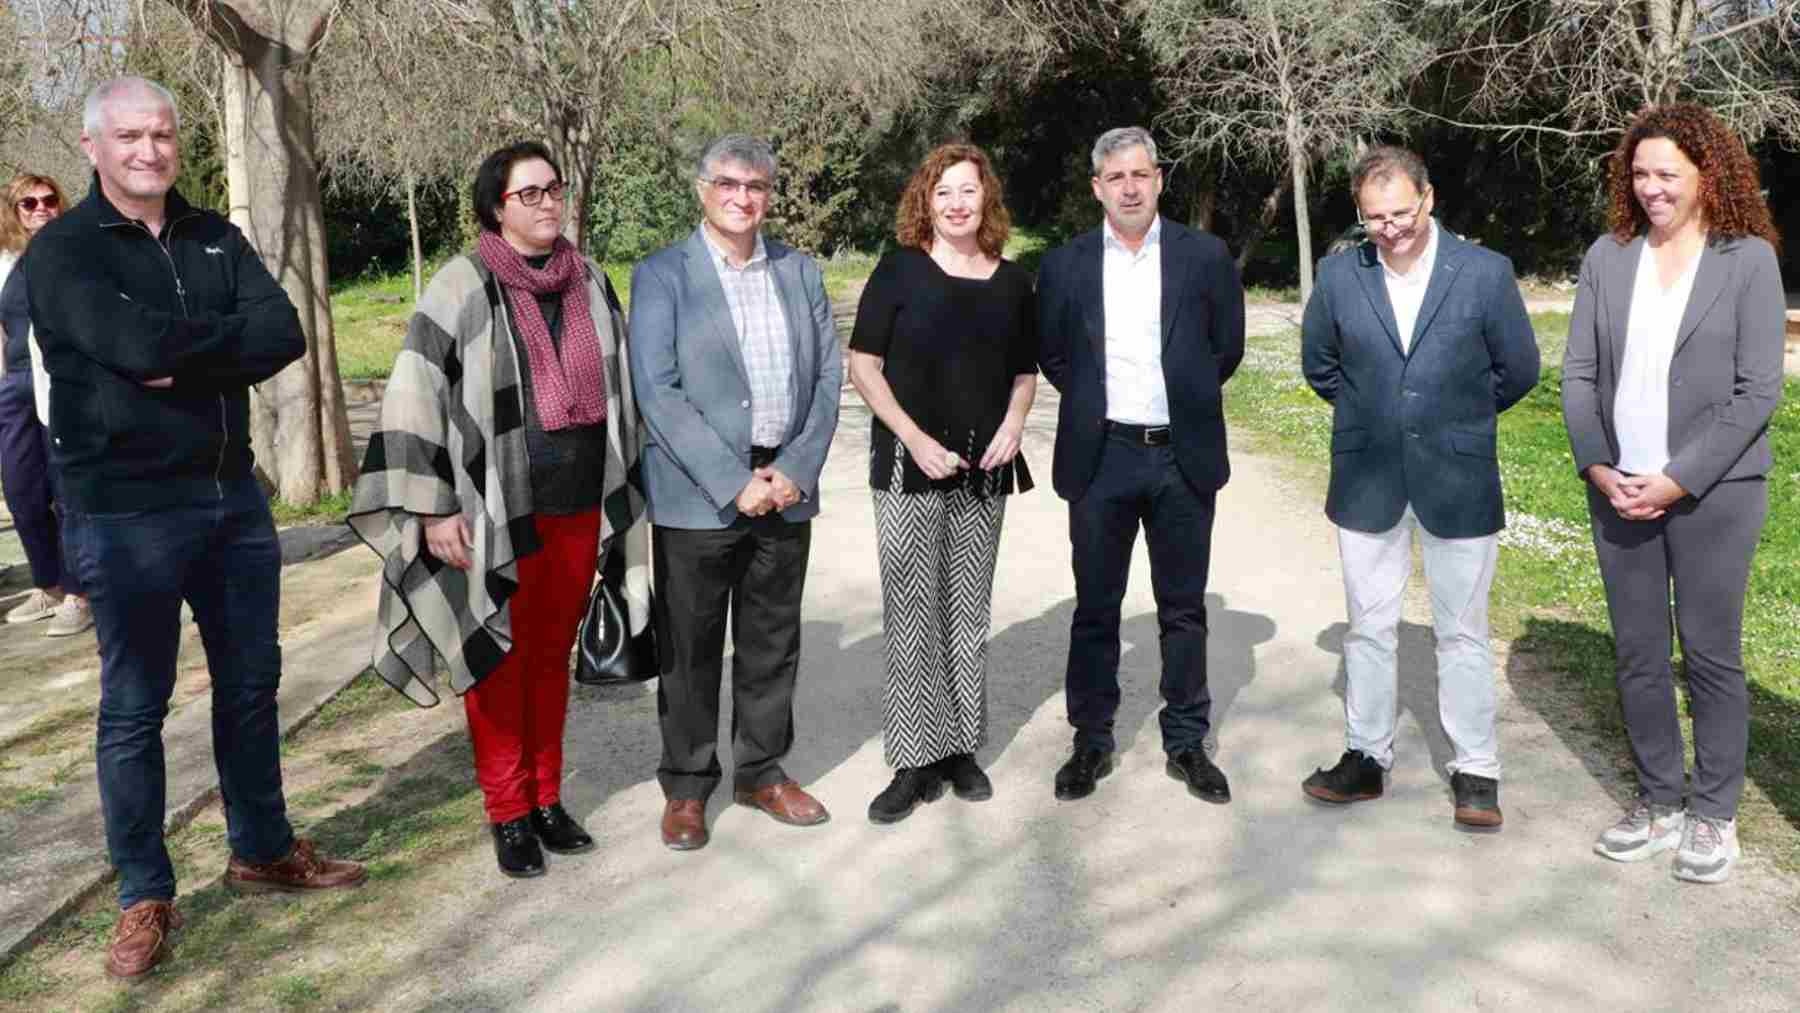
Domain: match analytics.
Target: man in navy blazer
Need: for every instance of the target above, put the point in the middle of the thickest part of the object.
(1142, 322)
(737, 370)
(1419, 340)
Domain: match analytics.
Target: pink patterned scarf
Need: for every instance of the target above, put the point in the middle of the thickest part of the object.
(572, 391)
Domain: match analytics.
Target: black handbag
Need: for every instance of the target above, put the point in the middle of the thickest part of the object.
(606, 654)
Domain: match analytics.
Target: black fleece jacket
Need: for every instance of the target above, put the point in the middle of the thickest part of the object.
(115, 307)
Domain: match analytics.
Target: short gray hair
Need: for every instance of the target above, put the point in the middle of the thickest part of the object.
(119, 87)
(1384, 162)
(1120, 138)
(741, 148)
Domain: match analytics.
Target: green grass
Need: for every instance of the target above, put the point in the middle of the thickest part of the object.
(328, 510)
(1547, 596)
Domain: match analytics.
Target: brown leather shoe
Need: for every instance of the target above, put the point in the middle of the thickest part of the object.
(684, 824)
(141, 939)
(787, 802)
(303, 869)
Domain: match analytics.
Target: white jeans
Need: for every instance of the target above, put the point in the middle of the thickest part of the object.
(1459, 573)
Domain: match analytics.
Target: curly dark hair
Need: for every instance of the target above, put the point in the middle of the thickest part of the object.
(1730, 185)
(912, 223)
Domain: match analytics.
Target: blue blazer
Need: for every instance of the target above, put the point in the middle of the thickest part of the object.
(693, 391)
(1418, 426)
(1202, 344)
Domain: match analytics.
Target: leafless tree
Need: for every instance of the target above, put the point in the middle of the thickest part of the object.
(1280, 83)
(1576, 71)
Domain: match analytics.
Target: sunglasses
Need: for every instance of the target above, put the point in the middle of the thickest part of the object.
(30, 204)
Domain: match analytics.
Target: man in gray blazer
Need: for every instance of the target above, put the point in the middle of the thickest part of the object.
(1419, 340)
(737, 370)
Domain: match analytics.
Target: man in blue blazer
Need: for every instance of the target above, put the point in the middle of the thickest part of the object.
(737, 370)
(1419, 340)
(1142, 322)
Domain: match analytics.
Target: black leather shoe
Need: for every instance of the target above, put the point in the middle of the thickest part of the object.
(1204, 781)
(558, 831)
(1356, 778)
(516, 848)
(1085, 767)
(1477, 801)
(966, 779)
(911, 786)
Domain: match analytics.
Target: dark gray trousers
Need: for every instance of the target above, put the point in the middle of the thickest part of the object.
(1703, 547)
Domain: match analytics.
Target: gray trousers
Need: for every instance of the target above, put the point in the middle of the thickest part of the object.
(1703, 547)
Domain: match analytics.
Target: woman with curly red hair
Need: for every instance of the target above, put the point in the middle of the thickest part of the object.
(1673, 369)
(945, 353)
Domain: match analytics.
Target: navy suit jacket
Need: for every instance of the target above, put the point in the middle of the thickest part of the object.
(1418, 426)
(1202, 344)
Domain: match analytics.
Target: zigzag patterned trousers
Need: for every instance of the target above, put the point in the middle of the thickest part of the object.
(938, 550)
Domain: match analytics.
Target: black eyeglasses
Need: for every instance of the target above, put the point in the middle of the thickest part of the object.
(1398, 223)
(532, 196)
(29, 204)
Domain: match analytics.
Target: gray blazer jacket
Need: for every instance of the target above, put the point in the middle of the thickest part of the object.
(693, 391)
(1725, 377)
(1418, 426)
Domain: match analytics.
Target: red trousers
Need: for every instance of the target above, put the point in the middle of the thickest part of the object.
(516, 714)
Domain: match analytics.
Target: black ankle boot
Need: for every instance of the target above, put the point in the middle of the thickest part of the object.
(558, 832)
(911, 786)
(966, 779)
(516, 848)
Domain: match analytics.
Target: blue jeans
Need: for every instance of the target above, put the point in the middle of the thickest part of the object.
(223, 558)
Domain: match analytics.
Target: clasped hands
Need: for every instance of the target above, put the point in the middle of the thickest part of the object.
(1636, 497)
(938, 462)
(768, 489)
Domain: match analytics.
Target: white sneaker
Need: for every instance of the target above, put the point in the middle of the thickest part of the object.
(39, 604)
(1644, 831)
(1709, 848)
(72, 617)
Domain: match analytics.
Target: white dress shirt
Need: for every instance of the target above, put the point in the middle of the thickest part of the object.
(1132, 296)
(1641, 404)
(762, 333)
(1406, 292)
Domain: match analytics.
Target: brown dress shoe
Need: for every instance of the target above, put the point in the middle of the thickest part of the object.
(303, 869)
(684, 824)
(787, 802)
(141, 939)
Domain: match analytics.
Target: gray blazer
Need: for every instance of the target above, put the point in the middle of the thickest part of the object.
(1418, 426)
(1725, 376)
(693, 392)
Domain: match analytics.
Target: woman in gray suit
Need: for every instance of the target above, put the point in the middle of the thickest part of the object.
(1673, 369)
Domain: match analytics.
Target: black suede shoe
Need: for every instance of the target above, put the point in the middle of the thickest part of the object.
(1477, 801)
(1356, 778)
(1085, 767)
(966, 779)
(558, 831)
(911, 786)
(517, 849)
(1204, 780)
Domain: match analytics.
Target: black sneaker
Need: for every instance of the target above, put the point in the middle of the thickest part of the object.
(966, 779)
(911, 786)
(1356, 778)
(516, 849)
(1477, 801)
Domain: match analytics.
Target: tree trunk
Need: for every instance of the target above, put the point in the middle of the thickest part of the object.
(412, 223)
(1205, 202)
(1297, 162)
(1271, 206)
(300, 429)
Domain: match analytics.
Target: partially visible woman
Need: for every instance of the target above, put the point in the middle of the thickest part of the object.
(503, 471)
(25, 470)
(945, 353)
(1673, 369)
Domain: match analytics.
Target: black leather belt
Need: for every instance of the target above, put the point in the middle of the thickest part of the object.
(763, 456)
(1149, 436)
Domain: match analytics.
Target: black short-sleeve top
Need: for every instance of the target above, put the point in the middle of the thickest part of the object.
(951, 348)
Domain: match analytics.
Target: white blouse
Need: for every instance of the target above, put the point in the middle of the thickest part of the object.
(1641, 404)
